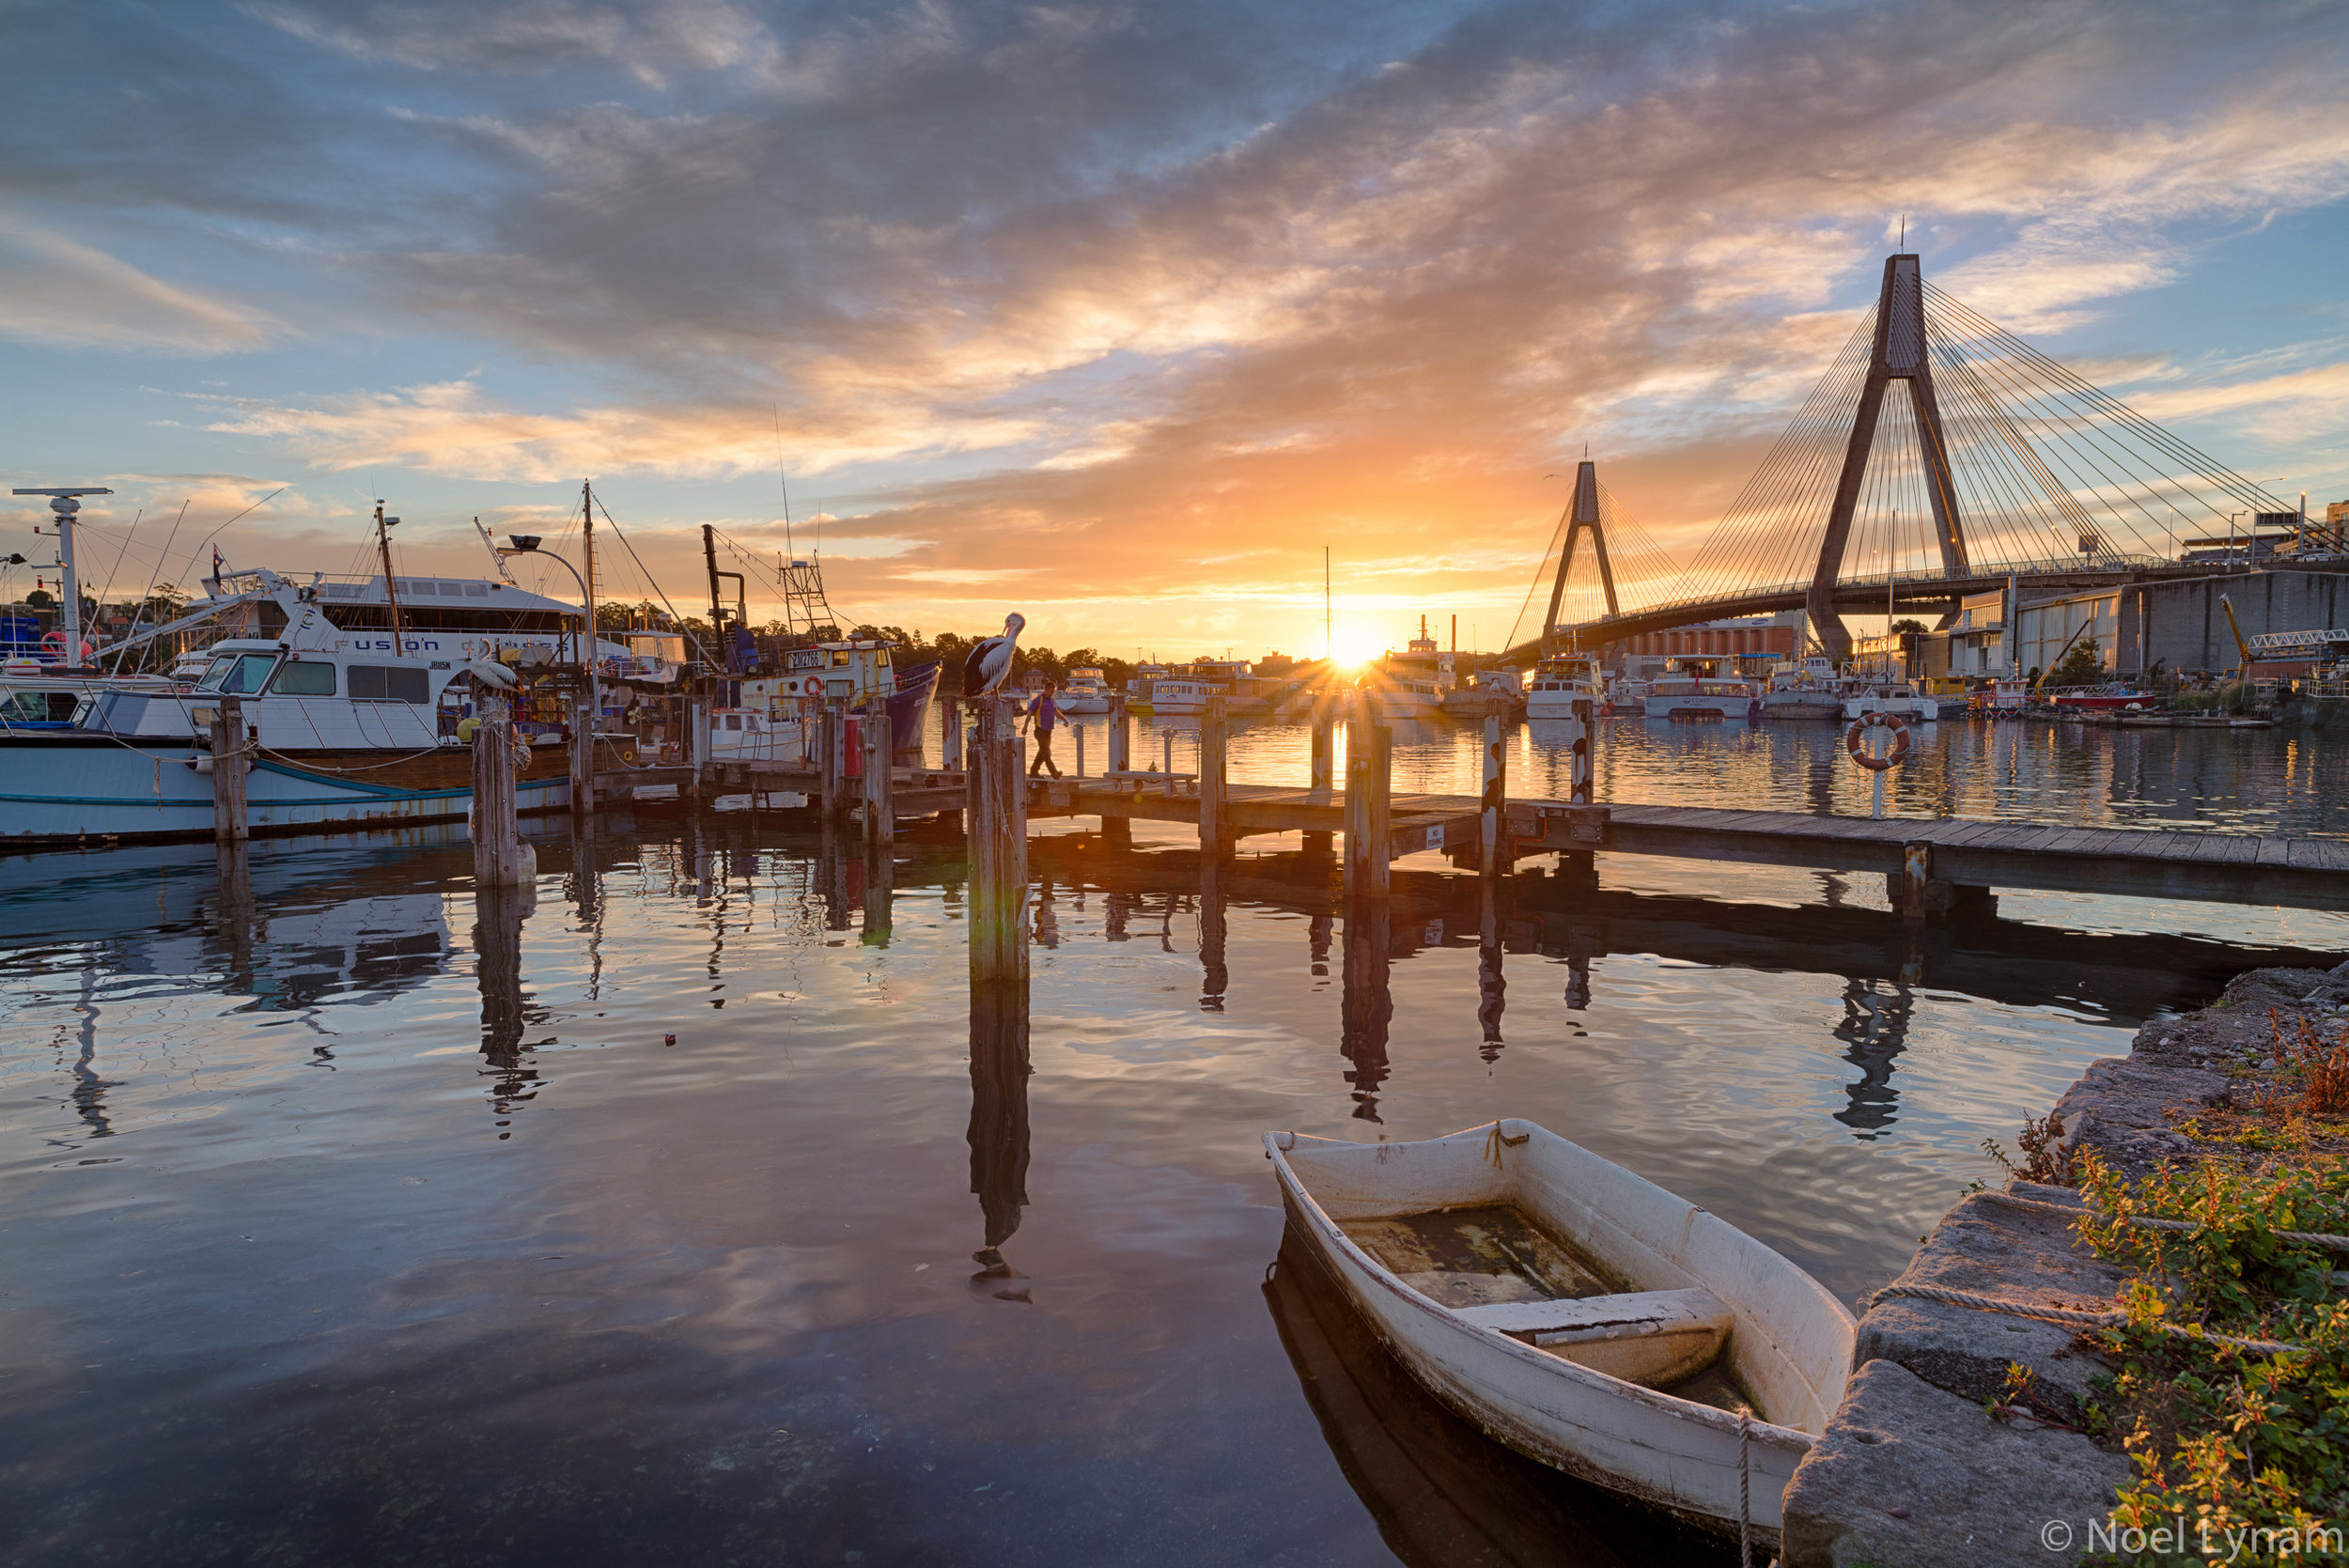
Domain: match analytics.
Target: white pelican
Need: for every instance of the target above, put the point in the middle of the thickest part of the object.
(988, 663)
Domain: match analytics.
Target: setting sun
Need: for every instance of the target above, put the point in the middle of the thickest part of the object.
(1354, 646)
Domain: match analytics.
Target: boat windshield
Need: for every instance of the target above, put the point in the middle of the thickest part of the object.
(237, 674)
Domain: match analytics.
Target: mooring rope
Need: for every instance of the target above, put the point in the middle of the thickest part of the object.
(2152, 1222)
(2049, 1312)
(1745, 1487)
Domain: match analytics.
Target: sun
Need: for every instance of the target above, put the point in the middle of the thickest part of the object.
(1352, 647)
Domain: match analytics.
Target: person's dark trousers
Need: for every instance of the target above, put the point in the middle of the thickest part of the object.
(1043, 755)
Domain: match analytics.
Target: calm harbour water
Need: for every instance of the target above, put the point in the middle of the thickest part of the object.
(385, 1226)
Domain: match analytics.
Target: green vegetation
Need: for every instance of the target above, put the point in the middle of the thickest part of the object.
(2082, 666)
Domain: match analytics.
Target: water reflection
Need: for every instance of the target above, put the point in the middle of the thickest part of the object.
(1216, 978)
(1875, 1028)
(1443, 1493)
(499, 914)
(999, 1124)
(1492, 989)
(1366, 1005)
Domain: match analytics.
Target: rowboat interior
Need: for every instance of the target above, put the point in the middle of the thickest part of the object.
(1503, 1269)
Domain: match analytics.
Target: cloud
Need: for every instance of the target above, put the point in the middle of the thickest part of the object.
(61, 293)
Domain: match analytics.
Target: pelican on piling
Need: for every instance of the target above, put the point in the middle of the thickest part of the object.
(988, 663)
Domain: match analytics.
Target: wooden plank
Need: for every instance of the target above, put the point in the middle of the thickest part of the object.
(2275, 851)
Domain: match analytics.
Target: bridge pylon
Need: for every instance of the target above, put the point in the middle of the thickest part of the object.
(1581, 513)
(1898, 355)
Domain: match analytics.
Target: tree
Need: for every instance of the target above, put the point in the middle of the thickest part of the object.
(2082, 666)
(1907, 624)
(40, 599)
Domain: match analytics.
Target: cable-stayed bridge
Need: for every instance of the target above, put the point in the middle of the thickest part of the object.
(1939, 456)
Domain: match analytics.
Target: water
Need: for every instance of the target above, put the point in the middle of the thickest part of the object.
(386, 1224)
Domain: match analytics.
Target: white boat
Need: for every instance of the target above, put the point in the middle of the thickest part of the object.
(1568, 686)
(1577, 1313)
(1686, 694)
(1470, 700)
(1406, 697)
(1086, 692)
(1172, 694)
(1802, 689)
(1898, 697)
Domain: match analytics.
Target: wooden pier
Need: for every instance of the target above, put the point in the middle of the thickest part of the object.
(1931, 865)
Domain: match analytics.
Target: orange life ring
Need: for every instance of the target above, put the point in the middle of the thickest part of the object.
(813, 686)
(1855, 741)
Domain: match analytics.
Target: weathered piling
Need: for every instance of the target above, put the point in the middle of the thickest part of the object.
(584, 717)
(501, 859)
(995, 827)
(880, 873)
(1117, 832)
(880, 811)
(1325, 766)
(1369, 816)
(1216, 975)
(833, 775)
(950, 746)
(1493, 809)
(229, 821)
(1215, 829)
(696, 749)
(1581, 769)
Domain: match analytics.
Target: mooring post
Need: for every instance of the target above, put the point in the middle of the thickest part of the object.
(880, 811)
(1493, 817)
(1325, 774)
(696, 748)
(1214, 831)
(1120, 736)
(500, 858)
(584, 717)
(229, 823)
(1915, 879)
(1167, 735)
(1076, 734)
(1585, 723)
(949, 748)
(1369, 817)
(996, 828)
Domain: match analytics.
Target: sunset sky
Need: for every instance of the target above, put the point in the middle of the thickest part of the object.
(1115, 314)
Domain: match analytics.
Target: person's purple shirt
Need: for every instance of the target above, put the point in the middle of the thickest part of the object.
(1044, 711)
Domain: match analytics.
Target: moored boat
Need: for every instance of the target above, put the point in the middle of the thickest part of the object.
(1900, 698)
(1086, 692)
(1802, 689)
(1688, 693)
(1566, 685)
(1577, 1313)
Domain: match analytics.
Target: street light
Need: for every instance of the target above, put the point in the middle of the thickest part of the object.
(527, 544)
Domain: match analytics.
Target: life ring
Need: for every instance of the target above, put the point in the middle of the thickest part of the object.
(812, 687)
(1855, 741)
(56, 639)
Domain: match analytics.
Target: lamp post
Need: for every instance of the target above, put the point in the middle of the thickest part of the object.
(527, 544)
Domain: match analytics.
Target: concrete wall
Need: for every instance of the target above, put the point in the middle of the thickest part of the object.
(2186, 628)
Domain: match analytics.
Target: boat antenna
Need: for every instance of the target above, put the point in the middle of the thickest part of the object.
(384, 547)
(788, 550)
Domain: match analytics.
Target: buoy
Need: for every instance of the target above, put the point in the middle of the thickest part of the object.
(1855, 741)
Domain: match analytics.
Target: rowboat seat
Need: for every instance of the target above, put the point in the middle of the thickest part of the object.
(1650, 1336)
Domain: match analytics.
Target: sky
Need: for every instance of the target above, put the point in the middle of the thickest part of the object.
(1117, 314)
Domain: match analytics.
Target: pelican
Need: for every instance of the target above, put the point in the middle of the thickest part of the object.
(988, 663)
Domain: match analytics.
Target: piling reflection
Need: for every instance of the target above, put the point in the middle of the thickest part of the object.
(1215, 979)
(1492, 989)
(1444, 1495)
(499, 915)
(880, 876)
(1365, 1004)
(999, 1123)
(1875, 1030)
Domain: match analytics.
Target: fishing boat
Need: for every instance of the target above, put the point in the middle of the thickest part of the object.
(1564, 683)
(1577, 1313)
(1087, 692)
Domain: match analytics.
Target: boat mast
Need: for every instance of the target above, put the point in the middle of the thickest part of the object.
(63, 502)
(587, 618)
(384, 547)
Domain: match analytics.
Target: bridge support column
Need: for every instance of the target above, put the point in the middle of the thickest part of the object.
(1583, 513)
(1898, 355)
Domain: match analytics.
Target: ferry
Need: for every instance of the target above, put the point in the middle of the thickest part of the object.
(1566, 685)
(1802, 689)
(1142, 687)
(1406, 696)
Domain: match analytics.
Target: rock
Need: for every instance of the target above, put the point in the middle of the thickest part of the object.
(2118, 1108)
(1910, 1475)
(1992, 1248)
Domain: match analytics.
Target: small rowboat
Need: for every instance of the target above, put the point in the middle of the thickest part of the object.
(1579, 1314)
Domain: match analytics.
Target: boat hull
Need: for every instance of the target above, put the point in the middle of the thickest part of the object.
(1697, 708)
(69, 788)
(1667, 1452)
(1822, 706)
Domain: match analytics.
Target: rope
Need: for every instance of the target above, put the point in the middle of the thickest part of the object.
(2152, 1222)
(2049, 1312)
(1745, 1488)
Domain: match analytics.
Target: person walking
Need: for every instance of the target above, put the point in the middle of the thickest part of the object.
(1046, 712)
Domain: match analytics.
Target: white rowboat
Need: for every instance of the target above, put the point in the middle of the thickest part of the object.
(1577, 1313)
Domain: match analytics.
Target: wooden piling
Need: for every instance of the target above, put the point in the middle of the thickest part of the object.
(1369, 816)
(1325, 773)
(996, 831)
(1585, 720)
(230, 824)
(1916, 877)
(697, 749)
(1215, 828)
(1120, 755)
(500, 857)
(881, 811)
(1493, 809)
(950, 748)
(584, 717)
